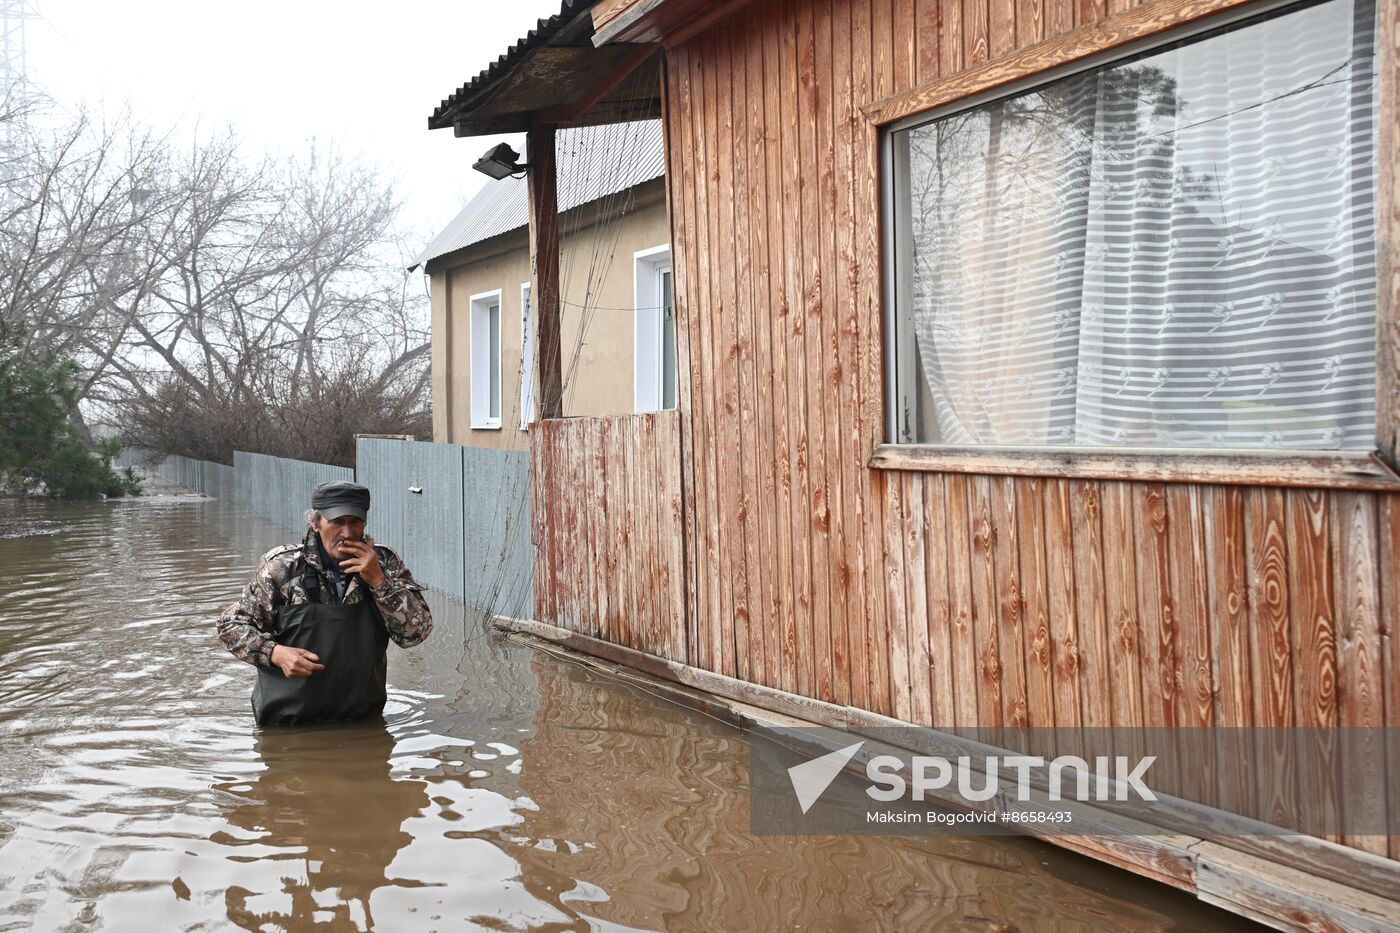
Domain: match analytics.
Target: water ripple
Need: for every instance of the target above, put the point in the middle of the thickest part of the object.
(504, 789)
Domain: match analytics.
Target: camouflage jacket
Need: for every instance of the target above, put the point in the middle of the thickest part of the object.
(245, 627)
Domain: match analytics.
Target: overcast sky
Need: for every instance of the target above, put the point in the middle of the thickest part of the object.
(363, 75)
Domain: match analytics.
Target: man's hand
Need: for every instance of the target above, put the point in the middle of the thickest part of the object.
(296, 662)
(365, 562)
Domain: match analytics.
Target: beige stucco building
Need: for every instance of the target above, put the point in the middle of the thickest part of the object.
(617, 340)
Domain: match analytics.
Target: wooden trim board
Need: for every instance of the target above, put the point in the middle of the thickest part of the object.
(1033, 61)
(1304, 468)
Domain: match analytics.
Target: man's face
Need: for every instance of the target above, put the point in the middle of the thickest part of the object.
(336, 531)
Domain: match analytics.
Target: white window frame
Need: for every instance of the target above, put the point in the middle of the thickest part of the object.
(1330, 468)
(647, 352)
(527, 359)
(480, 352)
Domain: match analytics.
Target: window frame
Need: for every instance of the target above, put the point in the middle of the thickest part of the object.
(649, 327)
(1129, 34)
(479, 323)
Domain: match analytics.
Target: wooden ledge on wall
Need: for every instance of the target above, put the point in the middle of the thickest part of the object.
(1303, 468)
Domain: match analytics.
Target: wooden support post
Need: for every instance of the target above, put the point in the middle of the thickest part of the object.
(544, 259)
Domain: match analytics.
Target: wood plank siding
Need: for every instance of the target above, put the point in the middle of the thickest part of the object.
(945, 598)
(606, 505)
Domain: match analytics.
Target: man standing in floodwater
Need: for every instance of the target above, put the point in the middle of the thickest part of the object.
(317, 617)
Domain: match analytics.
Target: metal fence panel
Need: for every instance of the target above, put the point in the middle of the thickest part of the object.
(496, 531)
(467, 532)
(379, 466)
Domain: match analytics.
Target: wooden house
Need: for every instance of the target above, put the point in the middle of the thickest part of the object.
(1039, 369)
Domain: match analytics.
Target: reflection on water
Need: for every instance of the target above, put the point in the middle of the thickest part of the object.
(297, 805)
(504, 789)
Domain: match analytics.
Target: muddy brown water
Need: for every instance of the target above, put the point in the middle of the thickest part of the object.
(505, 789)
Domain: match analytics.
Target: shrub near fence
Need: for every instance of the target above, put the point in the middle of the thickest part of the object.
(211, 479)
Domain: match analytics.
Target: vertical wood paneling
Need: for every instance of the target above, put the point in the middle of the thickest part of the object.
(1059, 17)
(950, 47)
(1030, 22)
(984, 603)
(943, 705)
(1090, 602)
(795, 376)
(1360, 694)
(1007, 569)
(1196, 700)
(612, 486)
(1064, 635)
(721, 319)
(895, 598)
(1390, 655)
(674, 515)
(763, 488)
(1160, 677)
(1120, 604)
(584, 595)
(776, 168)
(1035, 602)
(1271, 654)
(1313, 627)
(976, 42)
(879, 82)
(957, 599)
(680, 172)
(697, 198)
(1229, 617)
(1001, 27)
(916, 599)
(847, 334)
(733, 544)
(967, 684)
(929, 36)
(816, 163)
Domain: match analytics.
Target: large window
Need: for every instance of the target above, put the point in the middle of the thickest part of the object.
(486, 359)
(1175, 250)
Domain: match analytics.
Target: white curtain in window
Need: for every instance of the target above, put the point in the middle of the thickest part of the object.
(1177, 251)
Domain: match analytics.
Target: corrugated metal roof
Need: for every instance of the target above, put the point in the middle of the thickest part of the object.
(592, 162)
(545, 31)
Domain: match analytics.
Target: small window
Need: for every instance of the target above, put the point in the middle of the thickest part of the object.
(1176, 250)
(655, 346)
(527, 360)
(486, 359)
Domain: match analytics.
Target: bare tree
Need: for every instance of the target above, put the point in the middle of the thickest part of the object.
(214, 302)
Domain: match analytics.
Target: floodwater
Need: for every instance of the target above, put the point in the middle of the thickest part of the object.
(506, 788)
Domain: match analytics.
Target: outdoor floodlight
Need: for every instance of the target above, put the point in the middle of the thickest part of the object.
(500, 160)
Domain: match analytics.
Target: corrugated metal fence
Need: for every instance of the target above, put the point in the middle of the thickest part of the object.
(465, 532)
(279, 489)
(459, 517)
(211, 479)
